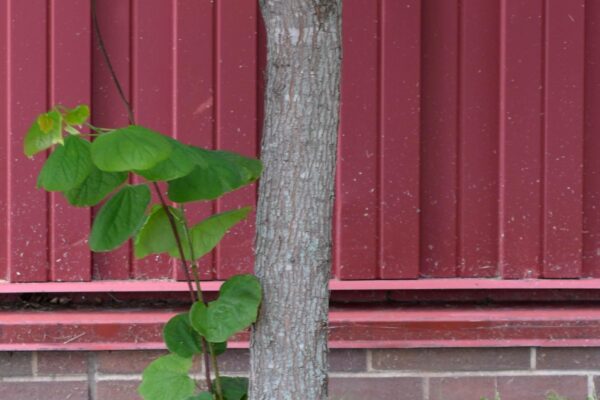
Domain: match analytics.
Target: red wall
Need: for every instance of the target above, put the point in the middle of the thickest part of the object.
(469, 142)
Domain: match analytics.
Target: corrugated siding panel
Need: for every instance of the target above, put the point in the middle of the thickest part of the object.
(468, 137)
(399, 144)
(563, 140)
(521, 117)
(70, 83)
(357, 235)
(194, 96)
(478, 83)
(114, 17)
(591, 165)
(235, 118)
(27, 208)
(152, 92)
(439, 138)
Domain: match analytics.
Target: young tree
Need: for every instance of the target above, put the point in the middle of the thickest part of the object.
(296, 195)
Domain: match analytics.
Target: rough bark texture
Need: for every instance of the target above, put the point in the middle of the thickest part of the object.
(289, 342)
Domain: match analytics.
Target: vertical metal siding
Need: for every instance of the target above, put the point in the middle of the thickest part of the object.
(469, 141)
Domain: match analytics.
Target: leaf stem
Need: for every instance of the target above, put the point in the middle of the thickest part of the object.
(213, 357)
(97, 128)
(190, 243)
(173, 225)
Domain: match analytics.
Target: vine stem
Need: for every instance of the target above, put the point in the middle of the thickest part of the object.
(113, 74)
(213, 356)
(206, 348)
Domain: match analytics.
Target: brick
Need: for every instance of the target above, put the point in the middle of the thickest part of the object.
(125, 362)
(15, 364)
(340, 360)
(597, 386)
(539, 387)
(235, 360)
(347, 360)
(62, 362)
(44, 390)
(124, 390)
(117, 390)
(462, 388)
(453, 359)
(375, 388)
(568, 358)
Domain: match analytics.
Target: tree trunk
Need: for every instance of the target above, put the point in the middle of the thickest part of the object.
(296, 195)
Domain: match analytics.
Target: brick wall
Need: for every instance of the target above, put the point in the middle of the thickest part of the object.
(406, 374)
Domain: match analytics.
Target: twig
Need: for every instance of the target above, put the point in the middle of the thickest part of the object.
(109, 64)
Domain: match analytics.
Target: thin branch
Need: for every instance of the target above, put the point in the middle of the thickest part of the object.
(109, 64)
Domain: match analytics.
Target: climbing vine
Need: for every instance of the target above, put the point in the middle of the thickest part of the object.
(91, 165)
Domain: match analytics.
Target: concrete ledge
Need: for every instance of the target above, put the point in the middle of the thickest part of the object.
(350, 327)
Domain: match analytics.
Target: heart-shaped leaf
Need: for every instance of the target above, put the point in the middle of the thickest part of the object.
(180, 163)
(97, 185)
(234, 310)
(119, 218)
(43, 133)
(183, 340)
(218, 348)
(68, 165)
(180, 337)
(156, 235)
(77, 115)
(222, 173)
(234, 388)
(208, 233)
(251, 167)
(167, 378)
(129, 149)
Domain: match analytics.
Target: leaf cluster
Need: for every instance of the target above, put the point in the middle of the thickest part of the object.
(89, 172)
(234, 310)
(99, 172)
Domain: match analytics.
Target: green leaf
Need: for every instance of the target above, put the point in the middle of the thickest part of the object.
(180, 337)
(68, 165)
(180, 163)
(222, 173)
(183, 340)
(43, 133)
(166, 378)
(97, 185)
(251, 167)
(234, 388)
(156, 235)
(129, 149)
(77, 115)
(119, 218)
(207, 234)
(202, 396)
(234, 310)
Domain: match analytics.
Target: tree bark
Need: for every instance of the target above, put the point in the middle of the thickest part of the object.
(296, 195)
